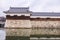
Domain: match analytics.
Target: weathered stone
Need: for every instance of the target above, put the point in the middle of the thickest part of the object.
(18, 32)
(48, 24)
(42, 27)
(18, 23)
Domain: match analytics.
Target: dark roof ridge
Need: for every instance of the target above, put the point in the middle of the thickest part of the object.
(46, 12)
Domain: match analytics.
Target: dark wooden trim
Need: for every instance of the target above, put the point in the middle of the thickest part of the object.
(18, 17)
(28, 18)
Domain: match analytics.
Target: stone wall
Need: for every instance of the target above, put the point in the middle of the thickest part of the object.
(18, 23)
(46, 24)
(48, 27)
(18, 27)
(32, 27)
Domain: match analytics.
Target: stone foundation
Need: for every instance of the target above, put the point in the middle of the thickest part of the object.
(46, 24)
(18, 23)
(24, 27)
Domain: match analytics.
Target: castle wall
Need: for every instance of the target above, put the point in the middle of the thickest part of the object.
(27, 27)
(45, 23)
(18, 26)
(45, 27)
(18, 23)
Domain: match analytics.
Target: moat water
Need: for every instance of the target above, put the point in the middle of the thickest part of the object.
(2, 34)
(44, 38)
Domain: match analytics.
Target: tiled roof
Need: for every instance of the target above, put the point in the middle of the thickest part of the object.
(18, 9)
(26, 10)
(45, 14)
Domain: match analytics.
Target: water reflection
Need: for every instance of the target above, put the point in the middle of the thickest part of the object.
(2, 34)
(44, 38)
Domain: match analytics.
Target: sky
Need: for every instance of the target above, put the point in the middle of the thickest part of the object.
(34, 5)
